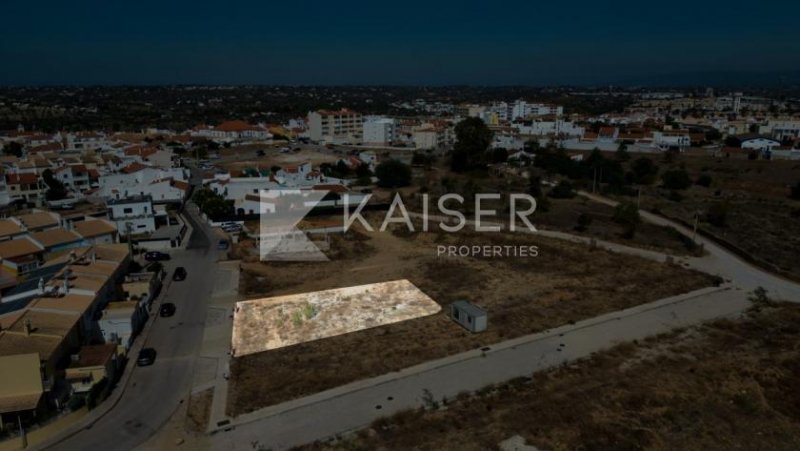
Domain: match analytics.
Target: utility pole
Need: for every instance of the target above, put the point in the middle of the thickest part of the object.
(130, 243)
(639, 198)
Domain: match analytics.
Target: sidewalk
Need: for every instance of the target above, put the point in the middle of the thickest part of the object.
(319, 416)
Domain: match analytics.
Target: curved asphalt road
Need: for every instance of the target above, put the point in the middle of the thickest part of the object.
(153, 393)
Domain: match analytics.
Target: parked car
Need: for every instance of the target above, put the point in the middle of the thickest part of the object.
(232, 228)
(179, 274)
(222, 245)
(147, 356)
(154, 256)
(167, 309)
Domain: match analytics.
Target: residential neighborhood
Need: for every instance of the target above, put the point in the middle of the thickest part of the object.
(415, 226)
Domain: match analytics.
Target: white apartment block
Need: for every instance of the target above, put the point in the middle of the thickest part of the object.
(132, 215)
(522, 109)
(669, 139)
(431, 136)
(340, 126)
(549, 128)
(379, 131)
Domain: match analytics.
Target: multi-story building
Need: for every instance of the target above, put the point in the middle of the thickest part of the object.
(433, 136)
(379, 131)
(26, 187)
(132, 214)
(522, 109)
(340, 126)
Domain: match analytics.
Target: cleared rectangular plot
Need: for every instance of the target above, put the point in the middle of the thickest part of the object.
(271, 323)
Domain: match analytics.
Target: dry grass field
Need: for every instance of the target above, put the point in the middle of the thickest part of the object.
(730, 384)
(761, 218)
(567, 282)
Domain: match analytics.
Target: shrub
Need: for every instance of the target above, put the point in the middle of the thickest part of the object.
(703, 180)
(584, 221)
(393, 174)
(717, 214)
(676, 179)
(563, 190)
(627, 215)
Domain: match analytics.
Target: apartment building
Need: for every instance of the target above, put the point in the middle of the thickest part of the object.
(341, 126)
(379, 131)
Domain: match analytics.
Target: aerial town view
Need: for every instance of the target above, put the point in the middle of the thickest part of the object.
(410, 226)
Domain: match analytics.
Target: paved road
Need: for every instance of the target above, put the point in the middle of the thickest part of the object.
(153, 393)
(358, 404)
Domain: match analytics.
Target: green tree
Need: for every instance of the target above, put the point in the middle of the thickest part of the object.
(795, 191)
(703, 180)
(473, 138)
(622, 153)
(644, 171)
(627, 215)
(535, 186)
(563, 190)
(13, 148)
(584, 221)
(676, 179)
(55, 189)
(717, 214)
(393, 174)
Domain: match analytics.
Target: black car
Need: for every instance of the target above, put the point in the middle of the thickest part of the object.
(147, 356)
(180, 273)
(167, 310)
(154, 256)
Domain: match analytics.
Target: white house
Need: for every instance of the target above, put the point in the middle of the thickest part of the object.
(133, 214)
(757, 142)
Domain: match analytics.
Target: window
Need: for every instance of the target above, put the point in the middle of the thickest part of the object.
(127, 210)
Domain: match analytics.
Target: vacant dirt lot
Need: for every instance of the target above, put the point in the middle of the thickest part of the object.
(566, 282)
(731, 384)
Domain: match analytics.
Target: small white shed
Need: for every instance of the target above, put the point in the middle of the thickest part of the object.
(469, 315)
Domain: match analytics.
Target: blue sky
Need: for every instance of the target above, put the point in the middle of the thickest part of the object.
(411, 42)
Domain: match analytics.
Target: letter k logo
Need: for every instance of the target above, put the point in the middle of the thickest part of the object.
(280, 211)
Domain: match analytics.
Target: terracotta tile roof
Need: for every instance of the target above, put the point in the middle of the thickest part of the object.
(133, 167)
(18, 248)
(140, 151)
(22, 178)
(20, 382)
(9, 227)
(55, 237)
(235, 126)
(38, 219)
(94, 228)
(94, 355)
(73, 303)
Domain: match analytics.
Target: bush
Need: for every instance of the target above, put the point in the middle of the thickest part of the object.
(563, 190)
(703, 180)
(795, 192)
(676, 179)
(717, 214)
(627, 214)
(393, 174)
(584, 221)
